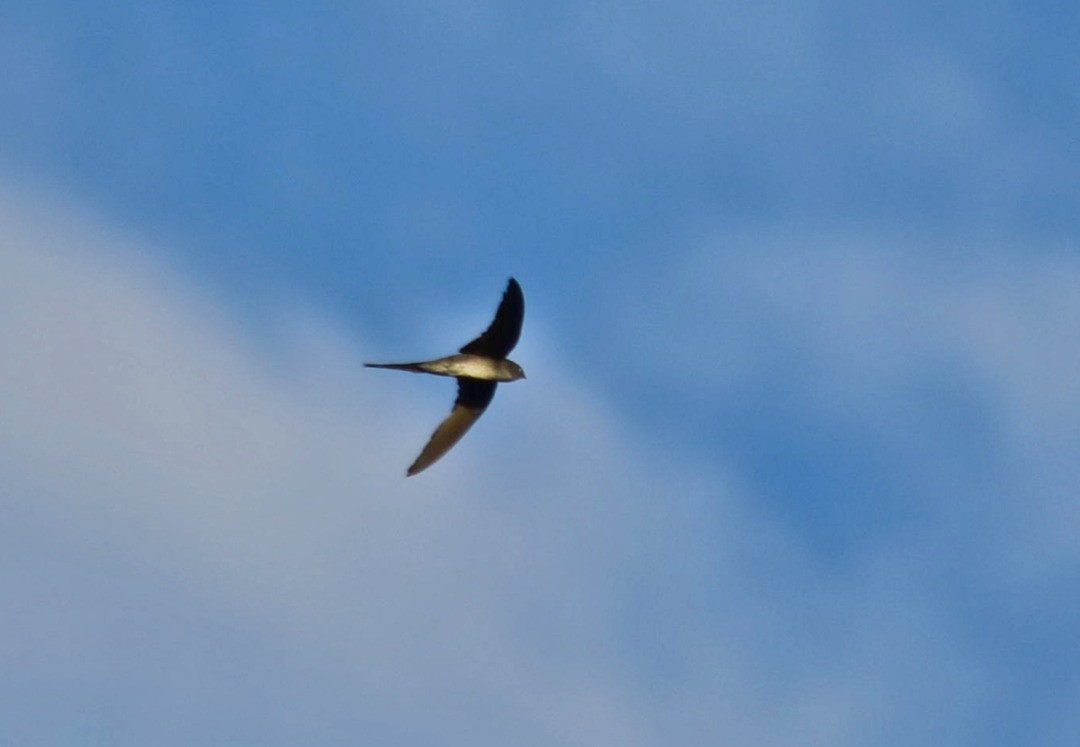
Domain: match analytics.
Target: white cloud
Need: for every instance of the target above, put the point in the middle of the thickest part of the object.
(214, 532)
(265, 489)
(876, 326)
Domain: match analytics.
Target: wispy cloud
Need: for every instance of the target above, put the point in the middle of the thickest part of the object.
(972, 352)
(208, 529)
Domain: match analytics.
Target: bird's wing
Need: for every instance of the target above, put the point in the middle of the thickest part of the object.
(501, 337)
(473, 398)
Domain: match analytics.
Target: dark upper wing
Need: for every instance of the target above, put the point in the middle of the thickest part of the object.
(501, 337)
(473, 398)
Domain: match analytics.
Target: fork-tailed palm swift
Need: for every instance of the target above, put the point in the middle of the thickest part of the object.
(478, 368)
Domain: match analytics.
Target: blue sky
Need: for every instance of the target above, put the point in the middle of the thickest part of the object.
(795, 461)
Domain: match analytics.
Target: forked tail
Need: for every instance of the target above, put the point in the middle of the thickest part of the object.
(414, 367)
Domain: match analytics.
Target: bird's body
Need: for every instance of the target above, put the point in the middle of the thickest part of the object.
(462, 365)
(478, 367)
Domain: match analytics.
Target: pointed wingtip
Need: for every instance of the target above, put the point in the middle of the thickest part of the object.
(416, 470)
(421, 463)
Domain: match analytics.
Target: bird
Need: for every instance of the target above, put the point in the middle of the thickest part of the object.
(478, 366)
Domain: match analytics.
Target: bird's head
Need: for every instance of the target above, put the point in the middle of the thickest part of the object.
(514, 371)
